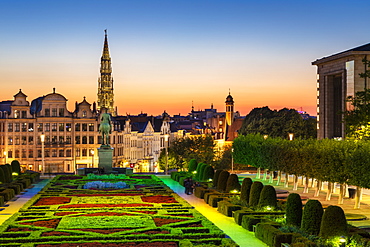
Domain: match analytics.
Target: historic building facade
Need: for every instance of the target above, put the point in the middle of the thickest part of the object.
(338, 78)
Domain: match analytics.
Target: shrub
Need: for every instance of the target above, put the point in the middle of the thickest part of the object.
(294, 210)
(255, 193)
(201, 171)
(2, 177)
(245, 191)
(333, 223)
(7, 173)
(208, 173)
(199, 167)
(232, 183)
(16, 167)
(268, 197)
(215, 177)
(311, 219)
(222, 181)
(192, 165)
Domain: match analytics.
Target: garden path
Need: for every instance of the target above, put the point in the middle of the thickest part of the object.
(16, 203)
(241, 236)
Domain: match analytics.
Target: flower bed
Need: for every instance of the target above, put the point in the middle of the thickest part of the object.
(145, 214)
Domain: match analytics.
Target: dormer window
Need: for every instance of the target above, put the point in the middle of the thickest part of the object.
(84, 114)
(16, 114)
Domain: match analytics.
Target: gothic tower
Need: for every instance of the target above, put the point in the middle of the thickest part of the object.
(105, 88)
(229, 109)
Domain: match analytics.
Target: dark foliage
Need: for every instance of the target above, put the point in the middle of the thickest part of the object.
(312, 215)
(222, 181)
(268, 197)
(245, 191)
(255, 193)
(215, 177)
(333, 223)
(233, 183)
(294, 210)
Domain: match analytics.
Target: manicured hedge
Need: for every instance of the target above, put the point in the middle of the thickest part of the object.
(16, 167)
(268, 197)
(192, 165)
(208, 173)
(255, 193)
(215, 178)
(294, 210)
(245, 191)
(312, 215)
(232, 183)
(272, 236)
(333, 223)
(222, 181)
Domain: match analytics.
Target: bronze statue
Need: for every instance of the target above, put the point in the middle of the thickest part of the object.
(105, 128)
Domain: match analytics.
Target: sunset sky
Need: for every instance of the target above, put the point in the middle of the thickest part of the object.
(168, 54)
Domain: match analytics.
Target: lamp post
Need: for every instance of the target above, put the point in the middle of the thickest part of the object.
(4, 157)
(92, 158)
(232, 160)
(166, 146)
(43, 153)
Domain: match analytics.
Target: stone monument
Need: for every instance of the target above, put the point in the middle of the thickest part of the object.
(105, 151)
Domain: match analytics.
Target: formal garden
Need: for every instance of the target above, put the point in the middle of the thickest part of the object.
(109, 210)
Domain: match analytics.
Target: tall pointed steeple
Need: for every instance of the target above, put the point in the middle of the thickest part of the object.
(105, 88)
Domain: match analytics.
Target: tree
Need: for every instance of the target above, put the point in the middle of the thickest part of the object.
(192, 165)
(278, 123)
(171, 159)
(357, 119)
(16, 167)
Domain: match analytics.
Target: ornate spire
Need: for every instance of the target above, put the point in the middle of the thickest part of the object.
(105, 89)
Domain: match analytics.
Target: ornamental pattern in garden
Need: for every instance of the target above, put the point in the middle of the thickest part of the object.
(143, 212)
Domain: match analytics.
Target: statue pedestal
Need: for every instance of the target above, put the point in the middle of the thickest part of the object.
(105, 153)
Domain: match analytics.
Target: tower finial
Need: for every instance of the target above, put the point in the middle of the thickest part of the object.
(229, 90)
(105, 31)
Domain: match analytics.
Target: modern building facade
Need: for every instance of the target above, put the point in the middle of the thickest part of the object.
(338, 78)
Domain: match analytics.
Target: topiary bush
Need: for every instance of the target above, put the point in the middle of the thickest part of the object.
(7, 173)
(192, 165)
(333, 223)
(268, 197)
(199, 168)
(222, 181)
(2, 177)
(208, 173)
(255, 193)
(215, 177)
(294, 210)
(312, 215)
(201, 171)
(16, 167)
(245, 191)
(232, 183)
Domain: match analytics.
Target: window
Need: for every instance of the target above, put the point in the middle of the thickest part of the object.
(47, 112)
(30, 140)
(54, 140)
(39, 154)
(61, 112)
(24, 153)
(16, 114)
(77, 152)
(68, 139)
(10, 154)
(40, 127)
(77, 127)
(91, 127)
(84, 152)
(61, 153)
(54, 113)
(16, 153)
(78, 139)
(84, 114)
(54, 127)
(61, 127)
(47, 139)
(99, 140)
(47, 127)
(84, 127)
(24, 114)
(84, 140)
(68, 153)
(10, 127)
(17, 140)
(61, 139)
(10, 140)
(91, 140)
(16, 127)
(47, 153)
(24, 127)
(24, 140)
(68, 127)
(30, 153)
(30, 127)
(54, 153)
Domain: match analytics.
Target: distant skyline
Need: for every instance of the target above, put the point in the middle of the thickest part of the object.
(168, 54)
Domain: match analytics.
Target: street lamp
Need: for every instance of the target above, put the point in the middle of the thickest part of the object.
(232, 160)
(43, 153)
(5, 157)
(92, 158)
(166, 146)
(291, 136)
